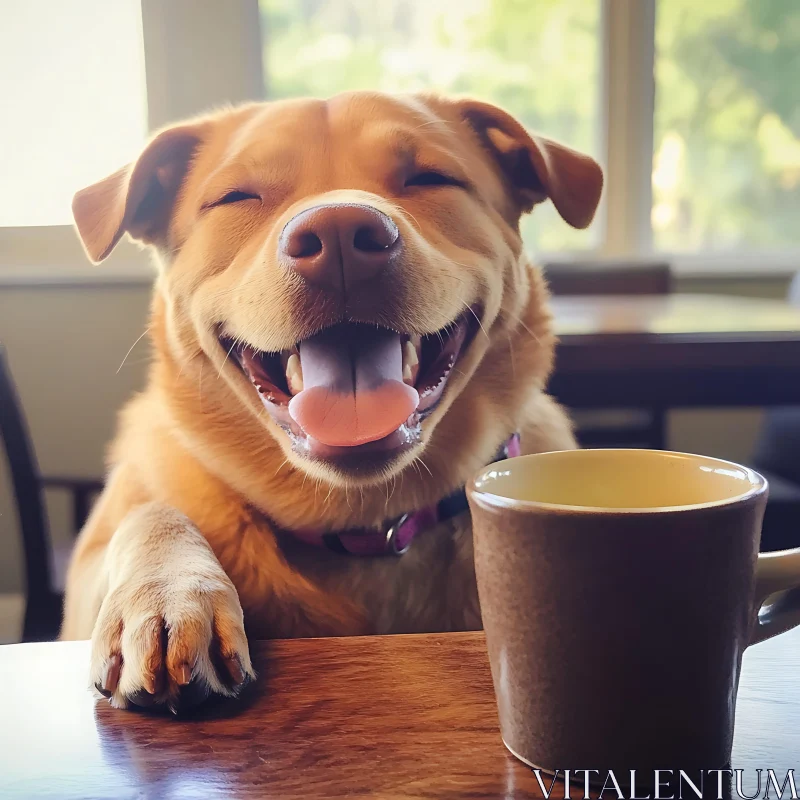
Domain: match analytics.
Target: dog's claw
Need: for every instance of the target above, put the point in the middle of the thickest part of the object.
(111, 675)
(184, 675)
(142, 698)
(153, 684)
(234, 667)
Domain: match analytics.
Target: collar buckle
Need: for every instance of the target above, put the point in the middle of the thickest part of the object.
(391, 536)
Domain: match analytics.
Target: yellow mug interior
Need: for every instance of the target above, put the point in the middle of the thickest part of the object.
(634, 480)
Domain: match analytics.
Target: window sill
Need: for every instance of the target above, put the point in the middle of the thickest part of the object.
(88, 275)
(53, 256)
(733, 265)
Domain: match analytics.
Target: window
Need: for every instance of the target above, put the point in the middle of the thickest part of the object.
(538, 60)
(726, 162)
(72, 77)
(83, 83)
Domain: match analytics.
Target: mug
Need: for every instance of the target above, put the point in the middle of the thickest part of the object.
(619, 590)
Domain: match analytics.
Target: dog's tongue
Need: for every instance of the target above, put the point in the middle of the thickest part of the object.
(353, 390)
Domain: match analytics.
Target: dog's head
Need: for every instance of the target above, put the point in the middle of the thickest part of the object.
(352, 269)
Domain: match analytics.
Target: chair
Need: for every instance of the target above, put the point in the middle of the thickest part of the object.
(43, 601)
(618, 428)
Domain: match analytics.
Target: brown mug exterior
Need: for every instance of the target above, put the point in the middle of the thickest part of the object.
(616, 638)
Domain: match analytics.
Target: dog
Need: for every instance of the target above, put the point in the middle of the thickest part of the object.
(345, 328)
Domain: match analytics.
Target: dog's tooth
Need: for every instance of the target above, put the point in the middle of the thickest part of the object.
(287, 354)
(294, 374)
(417, 342)
(410, 356)
(410, 363)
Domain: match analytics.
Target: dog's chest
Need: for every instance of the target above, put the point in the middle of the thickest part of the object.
(431, 587)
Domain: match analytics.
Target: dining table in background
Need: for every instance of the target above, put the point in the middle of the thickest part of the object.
(383, 717)
(675, 351)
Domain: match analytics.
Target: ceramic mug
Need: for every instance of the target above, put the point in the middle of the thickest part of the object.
(619, 590)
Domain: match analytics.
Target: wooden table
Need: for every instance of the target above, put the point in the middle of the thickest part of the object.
(677, 350)
(375, 717)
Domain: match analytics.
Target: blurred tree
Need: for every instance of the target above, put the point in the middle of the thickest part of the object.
(727, 163)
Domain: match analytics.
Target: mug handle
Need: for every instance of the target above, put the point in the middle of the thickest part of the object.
(777, 574)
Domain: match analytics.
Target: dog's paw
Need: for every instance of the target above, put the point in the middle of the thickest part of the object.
(170, 641)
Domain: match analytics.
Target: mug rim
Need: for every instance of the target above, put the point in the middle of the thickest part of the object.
(759, 486)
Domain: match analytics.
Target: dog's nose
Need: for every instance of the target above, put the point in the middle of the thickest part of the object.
(340, 244)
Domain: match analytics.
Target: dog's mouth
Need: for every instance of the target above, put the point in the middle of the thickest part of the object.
(356, 393)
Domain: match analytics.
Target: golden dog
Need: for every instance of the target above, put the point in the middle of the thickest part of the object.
(345, 328)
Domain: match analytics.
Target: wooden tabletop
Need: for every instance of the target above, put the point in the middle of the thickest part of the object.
(676, 350)
(374, 717)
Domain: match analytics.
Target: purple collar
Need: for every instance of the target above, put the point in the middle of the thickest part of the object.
(395, 537)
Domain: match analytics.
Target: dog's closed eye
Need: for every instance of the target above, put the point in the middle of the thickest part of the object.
(433, 178)
(234, 196)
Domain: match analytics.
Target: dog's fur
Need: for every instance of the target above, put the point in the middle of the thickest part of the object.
(182, 548)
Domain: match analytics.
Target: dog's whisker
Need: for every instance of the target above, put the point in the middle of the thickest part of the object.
(522, 324)
(416, 221)
(419, 458)
(464, 163)
(138, 361)
(472, 311)
(528, 330)
(236, 341)
(188, 361)
(130, 349)
(430, 122)
(511, 358)
(394, 486)
(460, 264)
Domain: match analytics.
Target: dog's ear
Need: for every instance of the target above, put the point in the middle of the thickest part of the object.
(538, 168)
(138, 198)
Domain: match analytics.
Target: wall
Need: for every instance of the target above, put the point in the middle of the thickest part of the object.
(65, 345)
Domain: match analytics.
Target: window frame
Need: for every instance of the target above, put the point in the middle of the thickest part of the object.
(182, 80)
